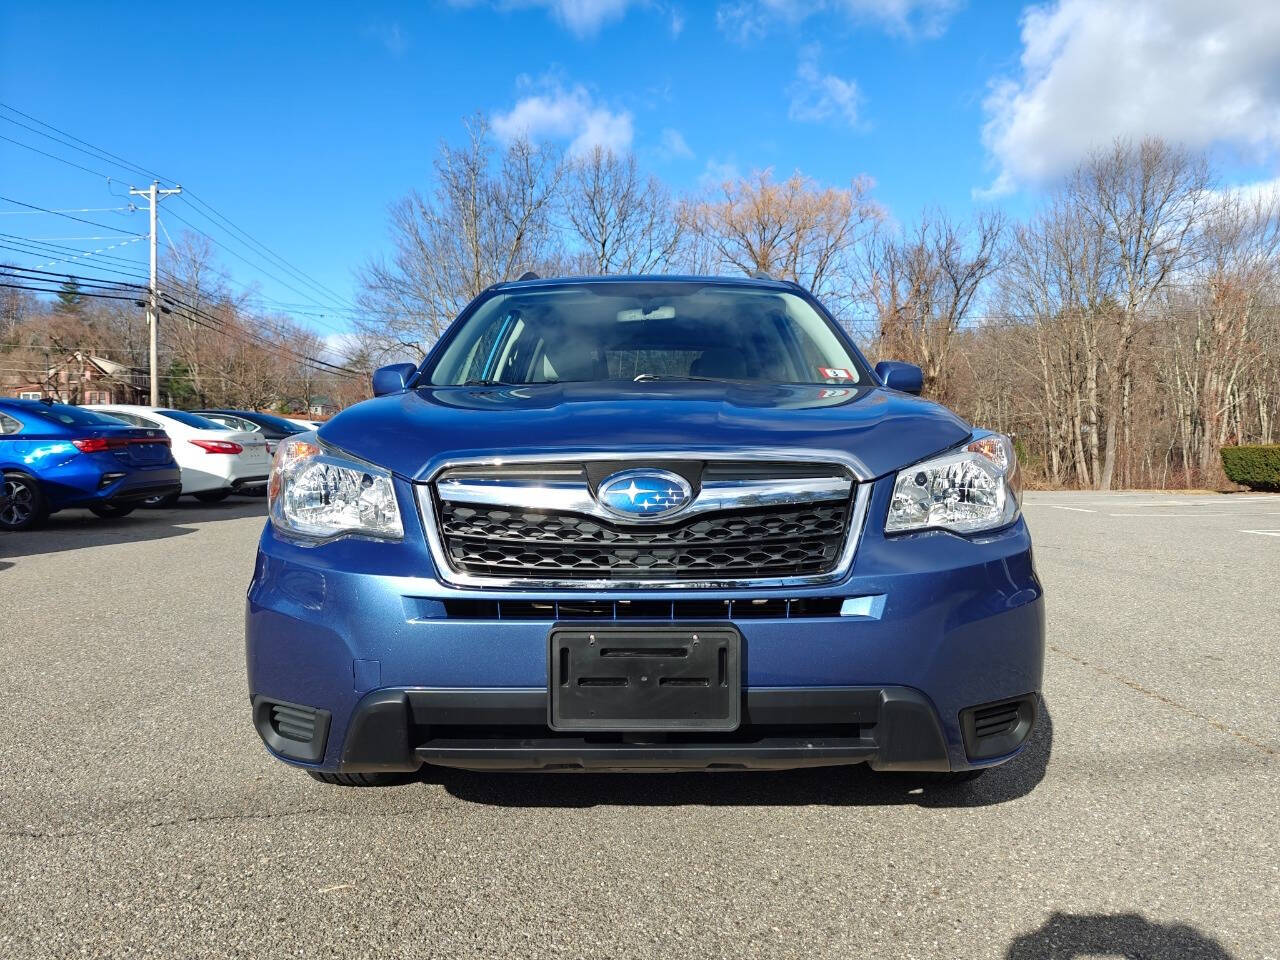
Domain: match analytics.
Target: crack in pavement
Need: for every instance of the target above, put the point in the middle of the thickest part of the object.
(1168, 701)
(202, 818)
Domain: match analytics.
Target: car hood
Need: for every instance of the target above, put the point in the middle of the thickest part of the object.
(412, 433)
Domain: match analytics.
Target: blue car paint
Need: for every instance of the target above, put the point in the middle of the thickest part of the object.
(958, 618)
(43, 450)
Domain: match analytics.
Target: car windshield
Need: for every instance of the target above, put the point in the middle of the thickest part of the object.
(278, 423)
(191, 419)
(647, 331)
(74, 416)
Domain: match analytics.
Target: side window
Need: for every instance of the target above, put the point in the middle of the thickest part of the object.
(128, 418)
(8, 426)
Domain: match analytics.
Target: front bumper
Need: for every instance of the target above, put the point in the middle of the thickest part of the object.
(365, 633)
(397, 730)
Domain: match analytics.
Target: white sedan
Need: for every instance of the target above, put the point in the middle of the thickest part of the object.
(215, 462)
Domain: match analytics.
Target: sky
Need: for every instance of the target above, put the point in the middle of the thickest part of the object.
(300, 124)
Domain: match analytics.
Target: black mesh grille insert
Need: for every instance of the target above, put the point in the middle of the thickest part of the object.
(791, 540)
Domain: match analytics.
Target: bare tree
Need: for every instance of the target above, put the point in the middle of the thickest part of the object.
(625, 223)
(793, 230)
(1231, 291)
(488, 219)
(923, 286)
(1144, 199)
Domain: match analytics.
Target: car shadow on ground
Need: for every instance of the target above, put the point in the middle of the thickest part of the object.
(76, 529)
(830, 786)
(1065, 936)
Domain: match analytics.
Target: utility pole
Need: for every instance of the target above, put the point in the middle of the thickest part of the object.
(153, 193)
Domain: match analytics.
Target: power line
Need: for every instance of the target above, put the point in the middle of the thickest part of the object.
(97, 152)
(244, 260)
(318, 295)
(54, 156)
(97, 296)
(92, 223)
(27, 213)
(295, 271)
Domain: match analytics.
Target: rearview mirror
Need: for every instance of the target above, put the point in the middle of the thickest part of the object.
(392, 378)
(906, 377)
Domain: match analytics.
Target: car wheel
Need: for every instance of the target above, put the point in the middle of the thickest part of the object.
(112, 511)
(168, 500)
(212, 496)
(24, 506)
(358, 779)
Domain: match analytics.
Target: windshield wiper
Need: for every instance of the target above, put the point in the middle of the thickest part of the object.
(485, 382)
(647, 377)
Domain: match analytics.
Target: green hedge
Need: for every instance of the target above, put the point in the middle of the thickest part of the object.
(1257, 468)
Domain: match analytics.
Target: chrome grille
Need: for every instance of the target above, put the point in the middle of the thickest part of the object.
(539, 523)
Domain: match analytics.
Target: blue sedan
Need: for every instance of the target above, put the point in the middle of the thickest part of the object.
(54, 456)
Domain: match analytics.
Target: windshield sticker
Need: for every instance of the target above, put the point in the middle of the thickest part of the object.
(834, 373)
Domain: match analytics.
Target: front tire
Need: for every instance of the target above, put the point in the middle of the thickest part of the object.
(357, 779)
(112, 511)
(212, 496)
(24, 506)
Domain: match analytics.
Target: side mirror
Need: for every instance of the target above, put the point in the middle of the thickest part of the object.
(906, 377)
(392, 378)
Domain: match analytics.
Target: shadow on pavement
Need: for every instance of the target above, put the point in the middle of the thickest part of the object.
(75, 529)
(831, 786)
(1065, 936)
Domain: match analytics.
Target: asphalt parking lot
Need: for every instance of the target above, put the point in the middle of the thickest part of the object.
(140, 816)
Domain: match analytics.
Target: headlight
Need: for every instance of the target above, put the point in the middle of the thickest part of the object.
(318, 493)
(973, 489)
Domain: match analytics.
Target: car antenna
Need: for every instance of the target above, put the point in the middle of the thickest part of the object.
(760, 275)
(529, 275)
(47, 401)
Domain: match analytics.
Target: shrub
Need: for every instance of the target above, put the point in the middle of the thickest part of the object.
(1257, 468)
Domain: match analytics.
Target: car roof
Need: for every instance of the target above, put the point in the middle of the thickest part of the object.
(761, 282)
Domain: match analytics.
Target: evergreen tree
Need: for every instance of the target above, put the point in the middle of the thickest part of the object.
(70, 297)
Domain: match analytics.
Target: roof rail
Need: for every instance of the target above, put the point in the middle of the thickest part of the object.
(528, 275)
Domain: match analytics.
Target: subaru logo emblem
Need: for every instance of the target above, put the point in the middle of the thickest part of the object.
(644, 494)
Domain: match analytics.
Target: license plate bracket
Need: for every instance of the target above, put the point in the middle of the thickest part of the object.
(611, 677)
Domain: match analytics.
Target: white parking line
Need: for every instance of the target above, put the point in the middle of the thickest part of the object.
(1263, 533)
(1271, 513)
(1059, 506)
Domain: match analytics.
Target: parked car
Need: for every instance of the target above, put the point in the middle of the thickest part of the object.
(54, 456)
(305, 424)
(215, 461)
(273, 428)
(645, 523)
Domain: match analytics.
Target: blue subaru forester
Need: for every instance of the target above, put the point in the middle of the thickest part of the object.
(649, 523)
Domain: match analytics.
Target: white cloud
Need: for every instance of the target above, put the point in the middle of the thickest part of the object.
(391, 36)
(718, 172)
(559, 113)
(583, 18)
(674, 144)
(677, 22)
(746, 20)
(1196, 73)
(817, 97)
